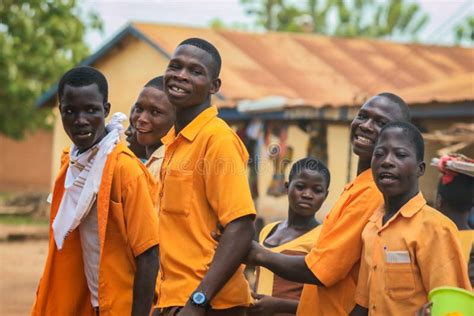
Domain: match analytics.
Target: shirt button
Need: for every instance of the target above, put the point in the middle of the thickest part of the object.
(379, 233)
(375, 267)
(373, 306)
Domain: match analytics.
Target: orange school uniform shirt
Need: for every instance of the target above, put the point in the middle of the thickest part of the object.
(127, 224)
(203, 182)
(415, 251)
(335, 258)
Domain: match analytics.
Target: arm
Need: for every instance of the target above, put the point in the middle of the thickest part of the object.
(144, 281)
(231, 250)
(292, 268)
(359, 311)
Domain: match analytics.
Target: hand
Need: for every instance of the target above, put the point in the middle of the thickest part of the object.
(254, 254)
(425, 310)
(216, 235)
(191, 310)
(264, 305)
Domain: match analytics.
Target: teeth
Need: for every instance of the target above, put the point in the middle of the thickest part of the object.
(364, 140)
(177, 89)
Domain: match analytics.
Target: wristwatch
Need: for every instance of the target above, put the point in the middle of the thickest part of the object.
(199, 298)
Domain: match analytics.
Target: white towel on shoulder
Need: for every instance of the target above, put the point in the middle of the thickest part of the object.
(83, 179)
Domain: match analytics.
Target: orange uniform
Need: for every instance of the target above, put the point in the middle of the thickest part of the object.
(335, 258)
(128, 226)
(415, 251)
(203, 183)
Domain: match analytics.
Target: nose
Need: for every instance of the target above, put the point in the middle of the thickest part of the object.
(306, 194)
(387, 161)
(181, 74)
(80, 119)
(367, 126)
(142, 119)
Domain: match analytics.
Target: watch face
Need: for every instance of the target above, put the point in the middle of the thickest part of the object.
(199, 298)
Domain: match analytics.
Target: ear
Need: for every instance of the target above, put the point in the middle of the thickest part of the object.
(106, 109)
(215, 85)
(421, 169)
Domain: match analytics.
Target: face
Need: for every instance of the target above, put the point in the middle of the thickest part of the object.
(394, 164)
(307, 192)
(131, 133)
(188, 78)
(83, 112)
(366, 126)
(152, 117)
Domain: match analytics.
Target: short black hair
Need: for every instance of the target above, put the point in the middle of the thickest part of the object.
(395, 99)
(156, 83)
(209, 48)
(83, 76)
(412, 134)
(458, 193)
(310, 163)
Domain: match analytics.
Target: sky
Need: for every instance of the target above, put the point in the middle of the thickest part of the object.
(444, 14)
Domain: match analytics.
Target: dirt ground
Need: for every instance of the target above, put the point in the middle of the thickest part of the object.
(21, 265)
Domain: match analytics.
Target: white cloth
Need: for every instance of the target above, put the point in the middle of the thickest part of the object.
(83, 180)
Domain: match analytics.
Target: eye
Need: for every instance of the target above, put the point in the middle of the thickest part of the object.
(196, 72)
(155, 112)
(361, 115)
(401, 154)
(299, 186)
(138, 109)
(378, 153)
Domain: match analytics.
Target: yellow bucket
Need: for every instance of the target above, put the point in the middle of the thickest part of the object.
(451, 301)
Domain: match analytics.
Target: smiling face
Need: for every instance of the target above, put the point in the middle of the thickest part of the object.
(307, 192)
(188, 77)
(395, 166)
(83, 112)
(370, 119)
(152, 117)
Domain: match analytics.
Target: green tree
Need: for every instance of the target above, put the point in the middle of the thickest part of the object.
(39, 40)
(347, 18)
(464, 31)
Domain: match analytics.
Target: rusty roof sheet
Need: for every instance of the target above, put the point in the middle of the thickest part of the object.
(327, 71)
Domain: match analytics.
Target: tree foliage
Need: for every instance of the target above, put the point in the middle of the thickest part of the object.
(464, 31)
(39, 40)
(347, 18)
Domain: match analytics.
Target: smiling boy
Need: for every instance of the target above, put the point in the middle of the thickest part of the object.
(203, 185)
(409, 247)
(102, 255)
(330, 269)
(153, 117)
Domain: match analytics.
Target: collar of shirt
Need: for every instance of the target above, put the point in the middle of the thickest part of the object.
(408, 210)
(364, 177)
(156, 155)
(192, 129)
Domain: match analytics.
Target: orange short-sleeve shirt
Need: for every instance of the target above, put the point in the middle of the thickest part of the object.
(416, 251)
(203, 183)
(127, 224)
(335, 258)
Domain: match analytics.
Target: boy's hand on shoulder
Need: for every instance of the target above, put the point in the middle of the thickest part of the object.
(255, 254)
(264, 305)
(192, 310)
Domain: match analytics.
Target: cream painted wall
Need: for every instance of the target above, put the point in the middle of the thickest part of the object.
(272, 208)
(128, 67)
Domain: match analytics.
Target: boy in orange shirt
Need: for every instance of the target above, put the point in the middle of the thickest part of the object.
(153, 117)
(409, 247)
(203, 185)
(330, 269)
(102, 255)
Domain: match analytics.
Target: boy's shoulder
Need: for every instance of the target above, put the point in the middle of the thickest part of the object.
(128, 166)
(434, 219)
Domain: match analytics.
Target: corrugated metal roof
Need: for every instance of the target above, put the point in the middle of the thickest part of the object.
(327, 70)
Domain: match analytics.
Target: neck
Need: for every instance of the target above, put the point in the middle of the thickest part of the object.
(151, 149)
(300, 222)
(394, 204)
(460, 218)
(362, 165)
(186, 115)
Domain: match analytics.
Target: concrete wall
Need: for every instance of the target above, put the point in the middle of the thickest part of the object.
(26, 165)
